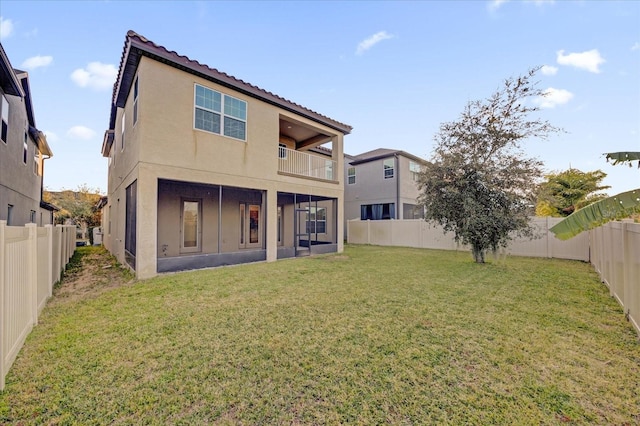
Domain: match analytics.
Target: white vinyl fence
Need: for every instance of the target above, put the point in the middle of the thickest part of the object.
(421, 234)
(615, 253)
(31, 262)
(613, 249)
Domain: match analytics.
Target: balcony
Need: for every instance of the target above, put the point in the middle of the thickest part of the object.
(297, 163)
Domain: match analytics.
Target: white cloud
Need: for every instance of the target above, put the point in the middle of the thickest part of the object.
(636, 46)
(589, 60)
(553, 97)
(80, 132)
(495, 4)
(369, 42)
(37, 62)
(96, 76)
(6, 27)
(51, 137)
(549, 70)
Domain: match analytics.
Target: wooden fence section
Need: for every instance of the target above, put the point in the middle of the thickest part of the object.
(31, 262)
(615, 253)
(418, 233)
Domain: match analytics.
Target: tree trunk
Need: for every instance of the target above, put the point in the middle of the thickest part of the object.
(478, 254)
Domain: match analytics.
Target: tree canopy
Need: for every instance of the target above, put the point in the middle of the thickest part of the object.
(564, 192)
(78, 205)
(479, 183)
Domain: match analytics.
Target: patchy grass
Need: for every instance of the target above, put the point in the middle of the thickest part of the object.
(374, 335)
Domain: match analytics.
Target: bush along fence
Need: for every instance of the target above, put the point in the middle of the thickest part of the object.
(613, 249)
(31, 262)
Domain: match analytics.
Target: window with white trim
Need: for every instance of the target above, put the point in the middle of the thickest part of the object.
(36, 164)
(135, 101)
(351, 175)
(414, 168)
(317, 220)
(122, 131)
(25, 149)
(4, 113)
(388, 166)
(219, 113)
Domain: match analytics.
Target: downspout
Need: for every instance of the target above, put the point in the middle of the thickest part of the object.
(397, 161)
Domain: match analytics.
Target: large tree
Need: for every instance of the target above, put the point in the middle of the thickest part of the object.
(480, 185)
(77, 205)
(564, 192)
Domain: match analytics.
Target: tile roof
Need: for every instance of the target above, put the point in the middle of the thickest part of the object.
(137, 45)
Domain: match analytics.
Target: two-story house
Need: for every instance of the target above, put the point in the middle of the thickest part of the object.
(23, 149)
(208, 170)
(381, 184)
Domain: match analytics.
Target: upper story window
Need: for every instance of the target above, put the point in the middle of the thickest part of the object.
(414, 168)
(351, 175)
(25, 149)
(122, 132)
(135, 102)
(36, 164)
(388, 166)
(4, 112)
(221, 114)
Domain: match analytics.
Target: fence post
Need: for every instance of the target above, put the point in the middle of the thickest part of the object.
(49, 229)
(3, 350)
(33, 270)
(626, 269)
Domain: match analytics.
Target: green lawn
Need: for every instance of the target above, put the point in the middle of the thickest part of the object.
(374, 335)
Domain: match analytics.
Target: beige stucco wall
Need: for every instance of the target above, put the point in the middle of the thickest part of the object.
(372, 188)
(20, 186)
(164, 145)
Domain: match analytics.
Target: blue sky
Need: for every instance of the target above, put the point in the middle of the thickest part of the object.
(392, 70)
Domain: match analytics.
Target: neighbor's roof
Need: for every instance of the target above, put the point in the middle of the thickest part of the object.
(8, 80)
(381, 153)
(136, 46)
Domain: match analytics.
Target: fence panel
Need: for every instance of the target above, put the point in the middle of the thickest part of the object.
(43, 273)
(632, 274)
(31, 260)
(17, 314)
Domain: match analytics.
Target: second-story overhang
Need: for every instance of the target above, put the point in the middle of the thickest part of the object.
(107, 142)
(41, 141)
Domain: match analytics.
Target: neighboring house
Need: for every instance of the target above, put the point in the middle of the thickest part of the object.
(23, 149)
(208, 170)
(381, 184)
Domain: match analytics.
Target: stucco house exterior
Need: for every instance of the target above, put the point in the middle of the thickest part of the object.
(381, 184)
(23, 149)
(208, 170)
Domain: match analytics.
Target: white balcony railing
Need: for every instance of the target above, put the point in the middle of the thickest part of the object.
(304, 164)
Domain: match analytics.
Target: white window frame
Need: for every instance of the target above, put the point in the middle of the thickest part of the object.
(386, 167)
(4, 114)
(351, 175)
(198, 247)
(224, 100)
(124, 121)
(414, 168)
(25, 149)
(136, 94)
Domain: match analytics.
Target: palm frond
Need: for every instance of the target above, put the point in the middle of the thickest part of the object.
(597, 214)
